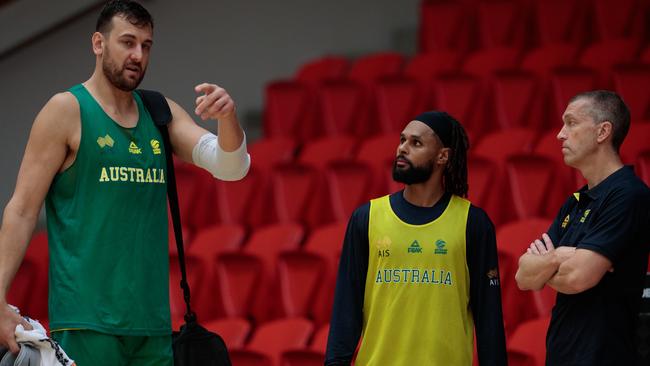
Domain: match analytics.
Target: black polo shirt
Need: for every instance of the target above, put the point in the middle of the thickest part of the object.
(597, 326)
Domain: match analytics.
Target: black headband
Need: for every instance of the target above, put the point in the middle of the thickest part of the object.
(440, 122)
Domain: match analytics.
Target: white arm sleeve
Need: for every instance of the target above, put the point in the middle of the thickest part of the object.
(223, 165)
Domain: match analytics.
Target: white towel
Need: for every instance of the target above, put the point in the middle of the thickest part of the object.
(51, 353)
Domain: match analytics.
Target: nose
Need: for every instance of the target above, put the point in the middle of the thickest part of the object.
(561, 135)
(401, 148)
(136, 54)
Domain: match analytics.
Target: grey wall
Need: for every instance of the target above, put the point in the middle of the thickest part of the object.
(240, 45)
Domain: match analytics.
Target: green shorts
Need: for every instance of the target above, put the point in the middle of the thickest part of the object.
(90, 348)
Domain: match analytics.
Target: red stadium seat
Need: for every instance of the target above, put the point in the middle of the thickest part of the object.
(319, 153)
(316, 71)
(33, 274)
(292, 188)
(275, 337)
(326, 242)
(517, 100)
(425, 67)
(631, 83)
(213, 240)
(234, 331)
(348, 184)
(301, 276)
(195, 278)
(267, 243)
(616, 19)
(543, 60)
(560, 21)
(498, 146)
(20, 293)
(268, 152)
(550, 147)
(372, 67)
(319, 341)
(602, 57)
(206, 246)
(195, 196)
(396, 103)
(531, 182)
(235, 199)
(502, 23)
(480, 177)
(463, 97)
(643, 169)
(302, 358)
(636, 141)
(544, 300)
(512, 241)
(237, 280)
(645, 56)
(342, 104)
(243, 357)
(444, 25)
(565, 84)
(484, 63)
(286, 109)
(527, 346)
(376, 151)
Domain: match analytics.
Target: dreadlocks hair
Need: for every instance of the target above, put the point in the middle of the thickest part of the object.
(455, 173)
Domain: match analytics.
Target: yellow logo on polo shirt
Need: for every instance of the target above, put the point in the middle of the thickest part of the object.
(565, 222)
(134, 149)
(155, 146)
(584, 216)
(105, 141)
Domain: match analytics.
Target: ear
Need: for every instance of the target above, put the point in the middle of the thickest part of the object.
(98, 41)
(604, 131)
(443, 156)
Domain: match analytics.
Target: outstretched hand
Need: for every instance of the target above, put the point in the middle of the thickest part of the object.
(214, 103)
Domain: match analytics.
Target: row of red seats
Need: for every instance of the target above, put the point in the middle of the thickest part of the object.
(513, 174)
(232, 281)
(283, 342)
(465, 25)
(378, 95)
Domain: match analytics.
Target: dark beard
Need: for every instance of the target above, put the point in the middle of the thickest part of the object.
(412, 174)
(115, 75)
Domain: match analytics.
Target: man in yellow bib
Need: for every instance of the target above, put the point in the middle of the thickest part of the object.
(418, 268)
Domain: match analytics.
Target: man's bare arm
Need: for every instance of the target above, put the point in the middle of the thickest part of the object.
(540, 262)
(214, 104)
(46, 151)
(580, 272)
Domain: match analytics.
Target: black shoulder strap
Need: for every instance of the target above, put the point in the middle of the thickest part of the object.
(157, 106)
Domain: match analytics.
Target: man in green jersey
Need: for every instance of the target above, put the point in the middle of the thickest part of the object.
(96, 158)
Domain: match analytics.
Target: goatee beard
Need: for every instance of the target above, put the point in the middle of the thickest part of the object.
(116, 77)
(412, 174)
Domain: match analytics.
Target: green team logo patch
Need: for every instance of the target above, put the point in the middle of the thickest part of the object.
(440, 247)
(415, 247)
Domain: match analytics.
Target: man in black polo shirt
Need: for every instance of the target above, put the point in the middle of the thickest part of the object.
(595, 253)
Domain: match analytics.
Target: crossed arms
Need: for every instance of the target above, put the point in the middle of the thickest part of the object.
(566, 269)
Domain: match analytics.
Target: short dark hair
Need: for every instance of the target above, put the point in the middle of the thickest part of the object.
(132, 11)
(608, 106)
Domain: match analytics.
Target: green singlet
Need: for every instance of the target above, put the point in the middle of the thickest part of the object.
(107, 227)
